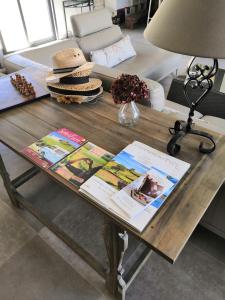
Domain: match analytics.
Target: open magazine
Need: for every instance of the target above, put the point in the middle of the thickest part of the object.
(69, 155)
(135, 183)
(53, 147)
(82, 163)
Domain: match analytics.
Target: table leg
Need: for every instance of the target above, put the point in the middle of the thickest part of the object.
(8, 184)
(116, 241)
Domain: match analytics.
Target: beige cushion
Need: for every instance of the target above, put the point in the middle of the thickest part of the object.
(213, 123)
(114, 54)
(88, 23)
(151, 62)
(100, 39)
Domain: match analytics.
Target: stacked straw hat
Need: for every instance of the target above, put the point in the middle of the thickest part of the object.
(69, 80)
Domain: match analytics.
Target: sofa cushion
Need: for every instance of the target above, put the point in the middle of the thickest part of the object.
(87, 23)
(114, 54)
(99, 40)
(151, 62)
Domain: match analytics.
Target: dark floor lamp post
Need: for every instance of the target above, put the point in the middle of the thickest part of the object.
(195, 28)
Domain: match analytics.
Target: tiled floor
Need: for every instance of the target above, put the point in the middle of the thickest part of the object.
(36, 265)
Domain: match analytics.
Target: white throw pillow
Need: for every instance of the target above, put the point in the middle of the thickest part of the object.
(114, 54)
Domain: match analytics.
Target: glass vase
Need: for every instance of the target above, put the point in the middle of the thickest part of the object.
(128, 114)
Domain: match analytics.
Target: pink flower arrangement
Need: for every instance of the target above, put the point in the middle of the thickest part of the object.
(129, 88)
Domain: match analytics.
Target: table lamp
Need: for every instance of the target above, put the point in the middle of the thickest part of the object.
(195, 28)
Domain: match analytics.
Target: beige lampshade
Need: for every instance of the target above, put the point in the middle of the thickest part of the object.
(190, 27)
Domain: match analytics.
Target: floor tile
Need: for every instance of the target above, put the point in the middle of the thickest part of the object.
(209, 242)
(30, 219)
(14, 163)
(14, 232)
(195, 275)
(74, 261)
(205, 271)
(15, 166)
(46, 196)
(85, 225)
(36, 272)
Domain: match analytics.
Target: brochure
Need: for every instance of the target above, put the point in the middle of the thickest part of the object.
(82, 164)
(136, 183)
(53, 147)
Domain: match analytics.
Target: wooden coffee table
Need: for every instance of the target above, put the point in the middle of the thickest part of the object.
(169, 231)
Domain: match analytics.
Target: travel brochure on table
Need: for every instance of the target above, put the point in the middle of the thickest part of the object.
(136, 183)
(52, 148)
(82, 164)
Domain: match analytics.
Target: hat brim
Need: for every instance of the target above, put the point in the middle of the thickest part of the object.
(75, 99)
(83, 70)
(75, 89)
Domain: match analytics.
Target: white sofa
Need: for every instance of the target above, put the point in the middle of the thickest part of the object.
(95, 30)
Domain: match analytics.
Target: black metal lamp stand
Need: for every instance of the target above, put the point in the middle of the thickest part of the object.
(198, 77)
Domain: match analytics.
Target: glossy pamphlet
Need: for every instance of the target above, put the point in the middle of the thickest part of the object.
(136, 183)
(82, 164)
(53, 147)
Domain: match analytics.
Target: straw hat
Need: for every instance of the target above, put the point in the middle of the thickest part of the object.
(71, 71)
(67, 62)
(67, 99)
(85, 89)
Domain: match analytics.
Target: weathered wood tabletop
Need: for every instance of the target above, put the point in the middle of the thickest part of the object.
(171, 228)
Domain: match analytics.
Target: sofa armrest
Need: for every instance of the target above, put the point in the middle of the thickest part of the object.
(17, 62)
(107, 75)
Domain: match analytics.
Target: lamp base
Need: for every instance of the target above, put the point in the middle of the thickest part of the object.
(182, 128)
(199, 76)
